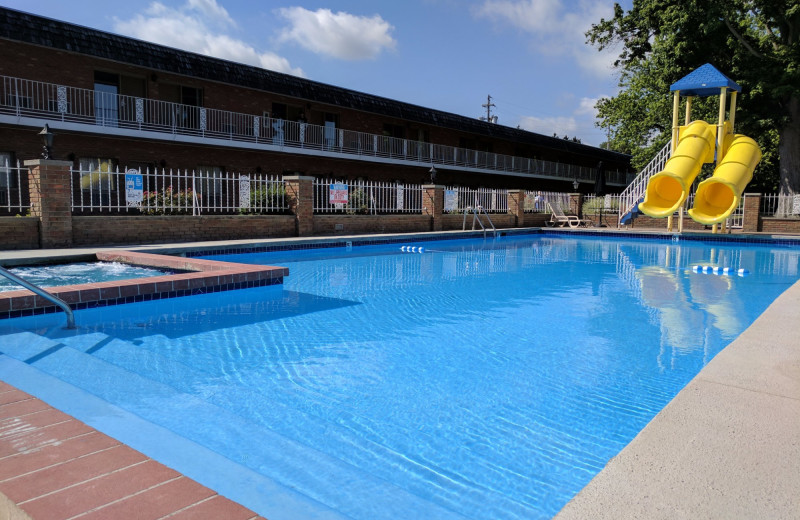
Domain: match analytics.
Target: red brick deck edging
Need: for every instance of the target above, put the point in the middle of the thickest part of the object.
(54, 467)
(205, 276)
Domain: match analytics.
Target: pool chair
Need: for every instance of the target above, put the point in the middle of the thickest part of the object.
(557, 217)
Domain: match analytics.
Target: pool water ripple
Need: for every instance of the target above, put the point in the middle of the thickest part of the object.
(480, 379)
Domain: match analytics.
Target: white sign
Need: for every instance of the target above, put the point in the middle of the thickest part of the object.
(400, 196)
(450, 200)
(796, 205)
(338, 193)
(134, 189)
(244, 191)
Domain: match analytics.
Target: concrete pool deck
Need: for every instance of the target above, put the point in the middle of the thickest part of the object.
(727, 446)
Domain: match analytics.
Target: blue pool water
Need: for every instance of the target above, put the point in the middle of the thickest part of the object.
(477, 379)
(76, 273)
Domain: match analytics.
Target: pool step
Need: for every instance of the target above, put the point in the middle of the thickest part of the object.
(298, 466)
(346, 437)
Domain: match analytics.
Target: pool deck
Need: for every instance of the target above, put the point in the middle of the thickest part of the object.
(727, 446)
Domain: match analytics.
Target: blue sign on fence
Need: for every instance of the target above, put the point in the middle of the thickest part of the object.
(134, 188)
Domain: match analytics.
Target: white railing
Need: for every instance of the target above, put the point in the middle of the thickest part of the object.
(631, 195)
(367, 197)
(775, 205)
(25, 98)
(536, 201)
(175, 192)
(492, 200)
(14, 197)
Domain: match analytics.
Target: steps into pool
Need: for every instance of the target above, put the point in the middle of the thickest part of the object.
(296, 465)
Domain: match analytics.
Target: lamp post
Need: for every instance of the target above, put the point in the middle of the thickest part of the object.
(432, 171)
(47, 141)
(575, 184)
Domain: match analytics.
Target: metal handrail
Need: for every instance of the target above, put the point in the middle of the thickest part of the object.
(476, 218)
(27, 98)
(630, 196)
(41, 292)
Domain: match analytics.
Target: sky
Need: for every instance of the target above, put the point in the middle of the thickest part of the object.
(529, 55)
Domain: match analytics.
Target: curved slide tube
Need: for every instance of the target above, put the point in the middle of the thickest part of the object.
(719, 195)
(667, 189)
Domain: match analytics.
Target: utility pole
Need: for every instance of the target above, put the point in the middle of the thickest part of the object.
(488, 106)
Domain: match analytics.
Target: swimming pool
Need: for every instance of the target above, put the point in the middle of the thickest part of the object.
(477, 379)
(76, 273)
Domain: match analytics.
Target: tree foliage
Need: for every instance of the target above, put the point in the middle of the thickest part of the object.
(754, 42)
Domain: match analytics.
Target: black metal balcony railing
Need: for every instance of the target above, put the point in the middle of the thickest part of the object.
(26, 98)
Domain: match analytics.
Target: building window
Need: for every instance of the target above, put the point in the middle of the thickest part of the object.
(8, 177)
(397, 131)
(97, 174)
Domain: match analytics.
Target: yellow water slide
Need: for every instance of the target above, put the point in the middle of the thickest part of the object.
(667, 189)
(719, 195)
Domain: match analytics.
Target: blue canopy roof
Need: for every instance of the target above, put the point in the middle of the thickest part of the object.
(704, 81)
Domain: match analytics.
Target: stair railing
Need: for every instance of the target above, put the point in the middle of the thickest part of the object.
(631, 195)
(41, 292)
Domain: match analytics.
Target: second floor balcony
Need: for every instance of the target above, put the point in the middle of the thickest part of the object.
(33, 103)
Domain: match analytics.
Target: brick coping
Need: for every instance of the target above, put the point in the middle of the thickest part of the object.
(54, 466)
(199, 277)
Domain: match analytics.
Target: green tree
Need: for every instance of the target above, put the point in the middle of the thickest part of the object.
(754, 42)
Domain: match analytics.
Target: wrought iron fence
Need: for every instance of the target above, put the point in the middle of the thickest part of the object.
(366, 197)
(26, 98)
(492, 200)
(175, 192)
(775, 205)
(14, 194)
(600, 205)
(536, 200)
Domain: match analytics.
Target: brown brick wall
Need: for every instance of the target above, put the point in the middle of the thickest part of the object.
(645, 222)
(357, 224)
(19, 233)
(161, 229)
(455, 221)
(780, 225)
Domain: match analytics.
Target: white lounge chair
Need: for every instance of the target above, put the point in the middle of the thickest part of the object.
(557, 216)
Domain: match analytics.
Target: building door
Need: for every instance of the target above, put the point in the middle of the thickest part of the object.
(106, 109)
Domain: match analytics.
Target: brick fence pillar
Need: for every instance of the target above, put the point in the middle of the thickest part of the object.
(576, 204)
(433, 204)
(300, 190)
(752, 210)
(48, 183)
(516, 206)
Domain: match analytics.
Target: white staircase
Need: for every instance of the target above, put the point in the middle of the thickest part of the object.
(629, 199)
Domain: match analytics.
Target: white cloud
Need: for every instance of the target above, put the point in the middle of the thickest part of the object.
(580, 123)
(212, 11)
(340, 35)
(549, 125)
(187, 28)
(557, 27)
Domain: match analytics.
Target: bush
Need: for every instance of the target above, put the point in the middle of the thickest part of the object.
(358, 202)
(168, 202)
(598, 206)
(271, 199)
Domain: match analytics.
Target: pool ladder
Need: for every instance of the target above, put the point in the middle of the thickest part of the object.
(41, 292)
(476, 218)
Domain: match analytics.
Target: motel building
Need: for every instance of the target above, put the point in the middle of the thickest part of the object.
(142, 129)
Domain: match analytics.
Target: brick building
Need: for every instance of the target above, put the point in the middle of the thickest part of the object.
(117, 101)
